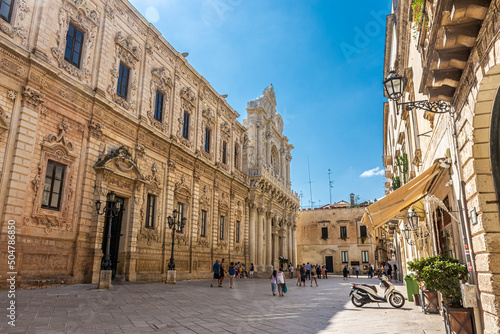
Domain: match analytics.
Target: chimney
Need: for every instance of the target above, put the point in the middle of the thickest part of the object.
(352, 201)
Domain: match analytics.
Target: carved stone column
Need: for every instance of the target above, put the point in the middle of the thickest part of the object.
(260, 239)
(288, 160)
(276, 261)
(251, 233)
(268, 148)
(282, 165)
(269, 265)
(258, 157)
(294, 243)
(290, 246)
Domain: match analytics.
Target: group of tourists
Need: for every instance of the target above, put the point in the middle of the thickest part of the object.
(308, 271)
(237, 269)
(387, 269)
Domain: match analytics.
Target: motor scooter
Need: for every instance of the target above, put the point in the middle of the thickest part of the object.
(362, 294)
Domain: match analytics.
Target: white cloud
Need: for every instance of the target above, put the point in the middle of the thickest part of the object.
(372, 172)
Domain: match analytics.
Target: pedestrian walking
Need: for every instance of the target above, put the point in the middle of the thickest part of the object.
(251, 270)
(244, 273)
(232, 274)
(280, 280)
(222, 271)
(326, 272)
(323, 272)
(298, 275)
(313, 278)
(318, 271)
(308, 271)
(357, 271)
(303, 275)
(291, 270)
(216, 268)
(273, 282)
(345, 272)
(389, 272)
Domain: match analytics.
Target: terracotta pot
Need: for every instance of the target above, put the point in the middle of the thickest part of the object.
(430, 301)
(459, 320)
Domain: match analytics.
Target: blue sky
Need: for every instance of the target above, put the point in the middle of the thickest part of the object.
(324, 59)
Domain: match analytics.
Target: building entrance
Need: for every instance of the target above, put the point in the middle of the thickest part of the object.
(116, 228)
(329, 263)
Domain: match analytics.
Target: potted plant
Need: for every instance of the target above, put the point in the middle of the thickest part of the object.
(363, 239)
(444, 274)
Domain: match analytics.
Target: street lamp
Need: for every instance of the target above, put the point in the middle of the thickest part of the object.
(394, 86)
(413, 220)
(175, 223)
(407, 235)
(113, 209)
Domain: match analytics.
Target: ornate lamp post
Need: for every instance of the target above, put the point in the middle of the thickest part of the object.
(112, 207)
(175, 223)
(394, 86)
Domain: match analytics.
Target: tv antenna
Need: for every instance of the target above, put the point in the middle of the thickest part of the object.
(330, 184)
(310, 183)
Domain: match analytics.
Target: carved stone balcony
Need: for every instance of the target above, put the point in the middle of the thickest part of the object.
(262, 175)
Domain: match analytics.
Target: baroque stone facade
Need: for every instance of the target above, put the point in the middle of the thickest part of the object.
(449, 51)
(69, 136)
(273, 204)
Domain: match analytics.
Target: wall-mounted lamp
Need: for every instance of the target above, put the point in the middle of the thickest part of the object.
(473, 216)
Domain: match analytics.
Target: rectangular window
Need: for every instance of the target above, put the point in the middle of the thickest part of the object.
(203, 227)
(343, 232)
(185, 126)
(221, 231)
(6, 9)
(52, 188)
(345, 257)
(123, 77)
(324, 233)
(237, 231)
(74, 42)
(150, 211)
(364, 256)
(207, 140)
(181, 214)
(159, 106)
(362, 231)
(224, 152)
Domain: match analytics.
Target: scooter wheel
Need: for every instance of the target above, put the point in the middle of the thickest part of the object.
(356, 302)
(397, 300)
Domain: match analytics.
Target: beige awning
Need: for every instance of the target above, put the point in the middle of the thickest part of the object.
(386, 208)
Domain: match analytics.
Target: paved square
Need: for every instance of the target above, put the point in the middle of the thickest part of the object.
(194, 307)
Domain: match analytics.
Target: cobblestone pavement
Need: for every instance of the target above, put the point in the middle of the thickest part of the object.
(195, 307)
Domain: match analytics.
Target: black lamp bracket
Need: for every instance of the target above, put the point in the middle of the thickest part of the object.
(436, 107)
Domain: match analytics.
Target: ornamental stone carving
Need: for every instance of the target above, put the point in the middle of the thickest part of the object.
(85, 19)
(32, 97)
(61, 136)
(95, 129)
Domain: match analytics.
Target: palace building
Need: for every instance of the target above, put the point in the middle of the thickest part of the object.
(94, 100)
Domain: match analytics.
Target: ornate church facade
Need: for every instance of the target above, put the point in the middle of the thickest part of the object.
(96, 102)
(273, 205)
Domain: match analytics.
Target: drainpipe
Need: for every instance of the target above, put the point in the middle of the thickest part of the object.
(465, 227)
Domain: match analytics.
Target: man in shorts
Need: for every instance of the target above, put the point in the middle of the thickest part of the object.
(216, 272)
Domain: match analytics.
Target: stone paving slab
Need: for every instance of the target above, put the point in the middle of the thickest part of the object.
(194, 307)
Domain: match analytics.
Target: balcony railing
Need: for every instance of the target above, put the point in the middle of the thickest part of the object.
(279, 183)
